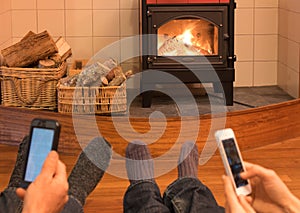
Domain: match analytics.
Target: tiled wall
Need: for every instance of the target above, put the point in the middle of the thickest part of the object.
(90, 25)
(289, 46)
(5, 23)
(256, 44)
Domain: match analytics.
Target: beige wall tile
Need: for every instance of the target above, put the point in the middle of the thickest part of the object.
(79, 23)
(23, 4)
(293, 83)
(267, 3)
(266, 21)
(50, 5)
(129, 25)
(5, 27)
(244, 47)
(266, 47)
(243, 74)
(282, 76)
(293, 5)
(82, 47)
(23, 21)
(106, 23)
(265, 73)
(293, 55)
(130, 48)
(104, 5)
(294, 26)
(129, 4)
(245, 3)
(78, 4)
(107, 44)
(244, 21)
(283, 22)
(5, 6)
(283, 50)
(46, 18)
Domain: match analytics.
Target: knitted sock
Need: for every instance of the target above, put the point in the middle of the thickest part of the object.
(139, 163)
(17, 174)
(89, 168)
(188, 160)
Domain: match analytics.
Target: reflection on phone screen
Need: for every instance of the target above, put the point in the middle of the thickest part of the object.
(41, 144)
(234, 161)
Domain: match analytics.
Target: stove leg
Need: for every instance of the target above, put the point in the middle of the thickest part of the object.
(146, 99)
(227, 88)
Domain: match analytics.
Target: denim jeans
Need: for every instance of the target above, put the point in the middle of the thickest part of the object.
(185, 195)
(11, 203)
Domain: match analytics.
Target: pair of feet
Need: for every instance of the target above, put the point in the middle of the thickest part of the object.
(140, 166)
(95, 158)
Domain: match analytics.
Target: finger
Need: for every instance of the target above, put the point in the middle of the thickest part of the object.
(253, 170)
(61, 174)
(230, 194)
(246, 206)
(50, 165)
(21, 193)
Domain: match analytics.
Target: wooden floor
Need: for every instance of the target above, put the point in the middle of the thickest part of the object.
(283, 157)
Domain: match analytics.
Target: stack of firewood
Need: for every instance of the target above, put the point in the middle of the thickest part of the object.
(108, 73)
(36, 51)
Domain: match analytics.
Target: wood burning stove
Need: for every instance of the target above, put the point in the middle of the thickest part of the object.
(187, 31)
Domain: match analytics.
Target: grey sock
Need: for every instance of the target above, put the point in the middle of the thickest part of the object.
(188, 160)
(89, 168)
(17, 174)
(139, 163)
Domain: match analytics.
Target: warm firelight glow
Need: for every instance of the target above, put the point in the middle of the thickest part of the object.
(187, 38)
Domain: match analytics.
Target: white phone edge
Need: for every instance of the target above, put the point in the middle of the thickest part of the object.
(226, 134)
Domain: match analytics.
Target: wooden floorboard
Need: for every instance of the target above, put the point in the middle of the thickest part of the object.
(283, 157)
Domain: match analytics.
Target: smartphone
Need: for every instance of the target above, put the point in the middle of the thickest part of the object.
(43, 137)
(232, 160)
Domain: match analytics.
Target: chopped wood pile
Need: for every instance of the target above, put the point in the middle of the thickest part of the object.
(36, 51)
(108, 73)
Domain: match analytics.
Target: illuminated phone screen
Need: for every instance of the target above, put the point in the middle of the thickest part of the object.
(41, 145)
(234, 161)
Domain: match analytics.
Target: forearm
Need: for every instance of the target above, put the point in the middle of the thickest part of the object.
(293, 206)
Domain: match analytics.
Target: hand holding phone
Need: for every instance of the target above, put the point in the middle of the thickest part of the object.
(232, 160)
(44, 137)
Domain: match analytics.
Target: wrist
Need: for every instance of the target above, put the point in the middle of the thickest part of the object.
(293, 205)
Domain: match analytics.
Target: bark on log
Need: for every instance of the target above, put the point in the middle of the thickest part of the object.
(30, 50)
(47, 63)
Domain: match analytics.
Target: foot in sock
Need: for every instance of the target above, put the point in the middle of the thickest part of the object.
(89, 168)
(139, 163)
(188, 160)
(17, 174)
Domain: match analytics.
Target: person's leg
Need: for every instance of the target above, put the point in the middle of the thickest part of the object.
(9, 201)
(87, 173)
(187, 193)
(143, 194)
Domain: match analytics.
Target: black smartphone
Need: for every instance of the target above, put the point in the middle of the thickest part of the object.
(43, 137)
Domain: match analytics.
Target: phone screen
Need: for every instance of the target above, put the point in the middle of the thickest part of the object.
(40, 146)
(234, 161)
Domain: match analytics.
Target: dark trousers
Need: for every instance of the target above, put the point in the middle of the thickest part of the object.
(185, 195)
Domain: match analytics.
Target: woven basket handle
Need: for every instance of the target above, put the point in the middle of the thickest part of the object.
(30, 101)
(16, 86)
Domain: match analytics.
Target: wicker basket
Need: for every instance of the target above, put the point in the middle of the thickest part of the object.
(92, 100)
(31, 87)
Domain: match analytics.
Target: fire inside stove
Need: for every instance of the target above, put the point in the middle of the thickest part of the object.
(187, 37)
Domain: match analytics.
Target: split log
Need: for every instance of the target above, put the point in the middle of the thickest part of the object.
(128, 74)
(64, 49)
(28, 35)
(56, 58)
(47, 63)
(30, 50)
(104, 81)
(117, 81)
